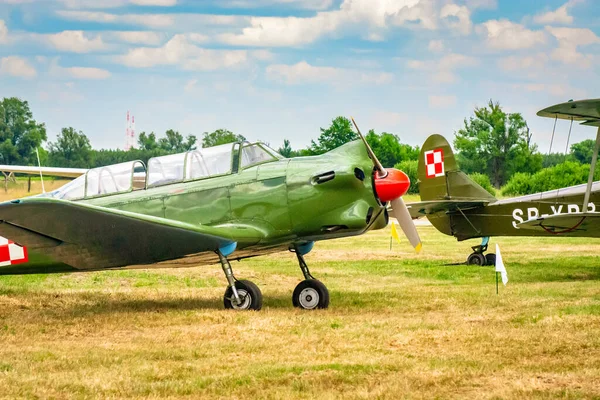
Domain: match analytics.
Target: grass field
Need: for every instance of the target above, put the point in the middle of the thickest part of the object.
(20, 187)
(399, 325)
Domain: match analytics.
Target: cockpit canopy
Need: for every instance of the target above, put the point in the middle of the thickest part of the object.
(183, 167)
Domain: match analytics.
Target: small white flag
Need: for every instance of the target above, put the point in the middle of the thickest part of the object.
(500, 266)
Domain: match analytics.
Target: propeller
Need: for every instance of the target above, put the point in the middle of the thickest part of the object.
(390, 185)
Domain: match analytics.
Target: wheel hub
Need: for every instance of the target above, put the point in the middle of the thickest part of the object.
(309, 298)
(245, 298)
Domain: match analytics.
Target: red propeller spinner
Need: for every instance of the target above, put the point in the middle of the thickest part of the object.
(393, 185)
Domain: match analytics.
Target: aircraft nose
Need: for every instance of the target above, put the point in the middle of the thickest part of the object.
(394, 185)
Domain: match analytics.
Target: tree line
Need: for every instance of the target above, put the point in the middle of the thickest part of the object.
(493, 147)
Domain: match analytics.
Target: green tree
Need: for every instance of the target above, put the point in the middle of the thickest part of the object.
(389, 150)
(147, 142)
(496, 143)
(220, 136)
(339, 133)
(72, 149)
(552, 159)
(174, 142)
(583, 151)
(286, 150)
(20, 134)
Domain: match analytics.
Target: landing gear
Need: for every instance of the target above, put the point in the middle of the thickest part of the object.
(248, 293)
(310, 293)
(242, 294)
(478, 258)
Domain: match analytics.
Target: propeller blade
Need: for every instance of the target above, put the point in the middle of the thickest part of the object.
(401, 213)
(382, 173)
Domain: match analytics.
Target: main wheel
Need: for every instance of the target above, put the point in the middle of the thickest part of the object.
(249, 293)
(476, 259)
(311, 294)
(490, 259)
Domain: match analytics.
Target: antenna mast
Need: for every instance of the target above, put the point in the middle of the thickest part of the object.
(129, 132)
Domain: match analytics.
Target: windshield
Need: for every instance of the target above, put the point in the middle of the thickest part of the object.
(71, 191)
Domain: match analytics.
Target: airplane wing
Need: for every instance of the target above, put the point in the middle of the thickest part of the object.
(92, 237)
(587, 111)
(564, 223)
(422, 208)
(51, 171)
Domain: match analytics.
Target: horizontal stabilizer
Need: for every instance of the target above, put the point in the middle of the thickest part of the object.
(424, 208)
(564, 223)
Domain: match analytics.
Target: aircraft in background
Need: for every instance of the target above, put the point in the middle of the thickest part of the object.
(205, 206)
(457, 206)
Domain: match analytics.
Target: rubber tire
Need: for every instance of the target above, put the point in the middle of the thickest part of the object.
(476, 259)
(252, 290)
(490, 259)
(318, 286)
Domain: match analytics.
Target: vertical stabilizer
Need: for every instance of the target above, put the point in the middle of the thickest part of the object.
(439, 176)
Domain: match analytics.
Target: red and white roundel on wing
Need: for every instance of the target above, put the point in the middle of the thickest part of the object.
(434, 163)
(11, 253)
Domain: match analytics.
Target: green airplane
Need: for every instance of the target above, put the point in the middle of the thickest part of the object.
(457, 206)
(206, 206)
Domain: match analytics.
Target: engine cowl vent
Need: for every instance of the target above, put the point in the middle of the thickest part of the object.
(322, 178)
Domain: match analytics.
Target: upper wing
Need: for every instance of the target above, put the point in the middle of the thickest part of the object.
(422, 208)
(587, 111)
(565, 223)
(64, 172)
(92, 237)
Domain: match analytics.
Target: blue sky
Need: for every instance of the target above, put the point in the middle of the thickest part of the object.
(275, 69)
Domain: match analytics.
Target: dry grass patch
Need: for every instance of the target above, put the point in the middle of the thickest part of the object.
(399, 325)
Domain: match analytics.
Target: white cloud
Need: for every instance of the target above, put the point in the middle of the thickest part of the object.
(88, 73)
(17, 66)
(115, 3)
(262, 55)
(442, 101)
(506, 35)
(554, 89)
(305, 4)
(303, 72)
(536, 61)
(483, 4)
(137, 37)
(558, 16)
(179, 51)
(74, 72)
(161, 3)
(442, 70)
(3, 32)
(457, 17)
(569, 39)
(148, 20)
(289, 31)
(76, 42)
(436, 46)
(372, 17)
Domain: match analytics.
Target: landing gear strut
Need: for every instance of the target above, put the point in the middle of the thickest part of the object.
(478, 258)
(242, 294)
(310, 293)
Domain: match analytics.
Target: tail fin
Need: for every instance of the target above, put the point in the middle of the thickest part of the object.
(440, 178)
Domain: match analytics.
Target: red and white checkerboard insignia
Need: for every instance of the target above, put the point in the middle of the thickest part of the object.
(434, 163)
(11, 253)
